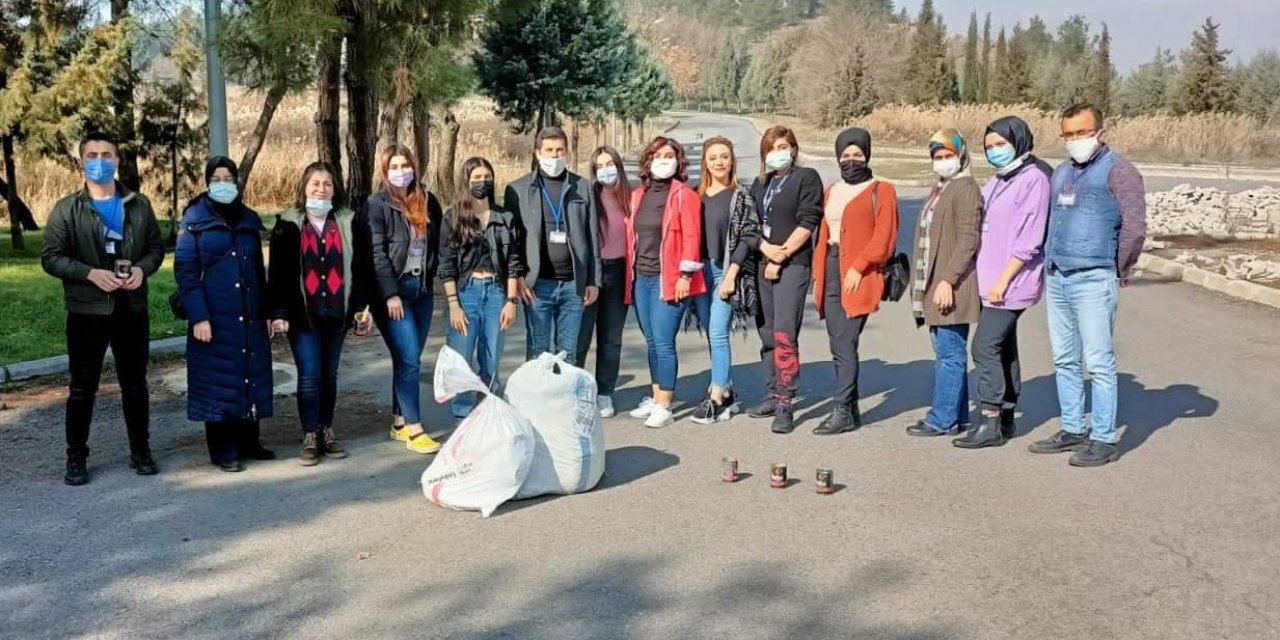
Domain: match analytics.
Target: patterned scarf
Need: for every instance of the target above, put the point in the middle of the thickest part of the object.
(920, 283)
(743, 220)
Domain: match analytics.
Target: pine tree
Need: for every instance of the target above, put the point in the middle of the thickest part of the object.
(984, 77)
(1148, 88)
(1259, 83)
(1098, 81)
(950, 82)
(972, 85)
(852, 94)
(766, 81)
(1205, 83)
(926, 60)
(1012, 70)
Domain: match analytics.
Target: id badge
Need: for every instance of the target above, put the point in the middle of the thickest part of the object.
(1067, 199)
(111, 247)
(558, 237)
(768, 231)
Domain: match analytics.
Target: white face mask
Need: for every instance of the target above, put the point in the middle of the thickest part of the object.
(1082, 150)
(947, 169)
(777, 160)
(662, 168)
(553, 167)
(607, 176)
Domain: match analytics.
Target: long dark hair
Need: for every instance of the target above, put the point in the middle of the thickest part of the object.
(300, 191)
(466, 227)
(622, 189)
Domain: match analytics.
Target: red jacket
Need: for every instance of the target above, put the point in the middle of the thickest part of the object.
(681, 240)
(867, 240)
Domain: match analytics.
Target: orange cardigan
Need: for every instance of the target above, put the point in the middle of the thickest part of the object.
(867, 241)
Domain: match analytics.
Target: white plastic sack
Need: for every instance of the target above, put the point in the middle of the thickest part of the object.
(487, 458)
(560, 402)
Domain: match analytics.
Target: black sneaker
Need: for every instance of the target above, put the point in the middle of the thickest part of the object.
(77, 472)
(706, 412)
(840, 421)
(1060, 442)
(783, 422)
(1095, 454)
(143, 464)
(763, 410)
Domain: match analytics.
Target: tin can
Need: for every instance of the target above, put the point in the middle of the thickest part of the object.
(363, 322)
(826, 481)
(123, 269)
(729, 469)
(778, 475)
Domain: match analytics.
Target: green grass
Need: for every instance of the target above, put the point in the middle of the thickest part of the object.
(32, 310)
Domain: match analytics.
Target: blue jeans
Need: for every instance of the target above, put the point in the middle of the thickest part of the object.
(482, 302)
(659, 321)
(317, 352)
(716, 315)
(1082, 314)
(406, 338)
(950, 377)
(556, 306)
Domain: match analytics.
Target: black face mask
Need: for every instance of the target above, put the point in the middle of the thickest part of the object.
(482, 189)
(855, 171)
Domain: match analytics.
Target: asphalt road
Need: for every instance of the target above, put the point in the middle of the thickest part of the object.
(1176, 540)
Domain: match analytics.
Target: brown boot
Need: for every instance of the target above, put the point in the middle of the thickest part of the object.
(331, 447)
(310, 454)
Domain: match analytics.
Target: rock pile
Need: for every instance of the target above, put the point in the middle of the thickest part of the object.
(1236, 266)
(1188, 210)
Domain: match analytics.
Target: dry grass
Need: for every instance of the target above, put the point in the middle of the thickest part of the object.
(1200, 139)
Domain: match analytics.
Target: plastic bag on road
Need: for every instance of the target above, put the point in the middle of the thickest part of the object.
(488, 457)
(560, 402)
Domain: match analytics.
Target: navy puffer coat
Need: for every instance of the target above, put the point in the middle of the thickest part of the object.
(222, 278)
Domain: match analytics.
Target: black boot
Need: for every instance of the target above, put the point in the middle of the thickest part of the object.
(77, 471)
(250, 444)
(783, 420)
(141, 462)
(988, 434)
(1008, 428)
(841, 420)
(222, 446)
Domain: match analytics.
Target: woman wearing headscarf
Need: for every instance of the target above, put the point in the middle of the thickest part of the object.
(857, 236)
(1010, 271)
(944, 291)
(222, 283)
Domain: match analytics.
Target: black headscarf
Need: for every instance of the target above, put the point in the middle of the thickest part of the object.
(854, 172)
(232, 211)
(217, 162)
(1016, 131)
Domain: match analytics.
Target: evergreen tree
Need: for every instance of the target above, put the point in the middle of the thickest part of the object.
(972, 85)
(766, 81)
(1204, 84)
(1098, 82)
(646, 93)
(1148, 88)
(561, 56)
(1259, 83)
(950, 82)
(925, 64)
(984, 76)
(1013, 70)
(852, 93)
(730, 70)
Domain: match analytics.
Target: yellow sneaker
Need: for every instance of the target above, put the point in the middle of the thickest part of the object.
(422, 443)
(399, 432)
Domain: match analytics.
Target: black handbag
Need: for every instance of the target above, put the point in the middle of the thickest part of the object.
(897, 273)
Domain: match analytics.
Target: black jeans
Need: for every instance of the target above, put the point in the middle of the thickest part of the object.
(605, 319)
(317, 352)
(843, 332)
(129, 335)
(995, 355)
(228, 438)
(781, 314)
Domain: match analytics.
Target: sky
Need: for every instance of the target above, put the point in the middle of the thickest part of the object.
(1137, 27)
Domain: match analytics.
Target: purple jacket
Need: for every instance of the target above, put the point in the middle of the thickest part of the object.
(1015, 212)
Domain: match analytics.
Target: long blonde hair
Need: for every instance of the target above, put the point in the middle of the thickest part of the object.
(733, 164)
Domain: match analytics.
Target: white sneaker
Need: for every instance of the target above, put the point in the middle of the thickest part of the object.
(660, 416)
(645, 408)
(606, 406)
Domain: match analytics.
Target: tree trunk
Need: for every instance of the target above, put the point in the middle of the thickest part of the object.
(10, 174)
(445, 183)
(122, 104)
(269, 105)
(9, 190)
(173, 165)
(389, 125)
(421, 116)
(575, 137)
(362, 104)
(328, 139)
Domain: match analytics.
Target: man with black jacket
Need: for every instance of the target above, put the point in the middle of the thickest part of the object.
(103, 243)
(555, 214)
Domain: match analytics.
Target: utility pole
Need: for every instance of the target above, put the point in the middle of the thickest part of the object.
(215, 84)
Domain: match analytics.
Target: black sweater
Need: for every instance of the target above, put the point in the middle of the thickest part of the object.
(797, 204)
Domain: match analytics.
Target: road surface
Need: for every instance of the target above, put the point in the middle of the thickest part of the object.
(1176, 540)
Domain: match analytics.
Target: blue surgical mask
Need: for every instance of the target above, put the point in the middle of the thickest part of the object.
(319, 206)
(777, 160)
(1000, 157)
(223, 192)
(608, 176)
(99, 170)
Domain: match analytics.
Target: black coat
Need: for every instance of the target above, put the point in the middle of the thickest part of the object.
(500, 241)
(797, 204)
(523, 199)
(389, 239)
(284, 275)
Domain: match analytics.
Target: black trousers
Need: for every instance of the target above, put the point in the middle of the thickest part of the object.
(228, 439)
(843, 332)
(781, 314)
(995, 355)
(605, 320)
(129, 336)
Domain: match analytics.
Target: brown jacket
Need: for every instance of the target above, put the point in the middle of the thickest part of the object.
(867, 238)
(953, 242)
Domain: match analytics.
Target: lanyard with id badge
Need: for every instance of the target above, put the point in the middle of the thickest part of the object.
(769, 192)
(1068, 196)
(557, 235)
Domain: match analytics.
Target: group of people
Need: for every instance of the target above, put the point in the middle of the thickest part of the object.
(574, 252)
